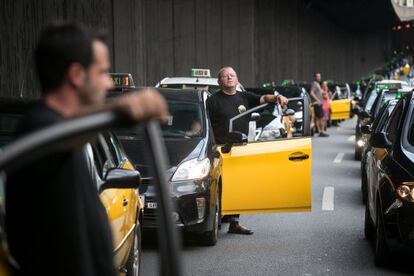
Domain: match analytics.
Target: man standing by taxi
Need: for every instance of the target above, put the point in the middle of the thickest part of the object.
(55, 222)
(317, 101)
(224, 105)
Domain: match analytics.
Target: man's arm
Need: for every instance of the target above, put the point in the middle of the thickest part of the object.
(142, 105)
(276, 99)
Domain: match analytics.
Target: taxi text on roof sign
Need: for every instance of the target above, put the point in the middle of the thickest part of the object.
(122, 80)
(200, 73)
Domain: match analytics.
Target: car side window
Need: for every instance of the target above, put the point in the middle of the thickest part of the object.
(393, 123)
(103, 159)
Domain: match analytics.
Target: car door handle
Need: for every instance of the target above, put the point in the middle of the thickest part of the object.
(124, 202)
(298, 156)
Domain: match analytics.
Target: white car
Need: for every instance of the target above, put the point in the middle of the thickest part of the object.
(199, 79)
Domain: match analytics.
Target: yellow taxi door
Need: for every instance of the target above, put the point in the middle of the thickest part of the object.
(340, 109)
(267, 176)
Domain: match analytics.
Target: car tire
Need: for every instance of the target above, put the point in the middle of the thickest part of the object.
(369, 230)
(381, 253)
(133, 265)
(210, 238)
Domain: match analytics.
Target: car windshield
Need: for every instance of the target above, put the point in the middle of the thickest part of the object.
(185, 120)
(8, 125)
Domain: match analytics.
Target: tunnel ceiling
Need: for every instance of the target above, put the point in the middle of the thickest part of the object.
(357, 15)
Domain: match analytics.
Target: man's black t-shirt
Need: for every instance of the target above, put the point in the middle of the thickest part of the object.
(222, 107)
(55, 221)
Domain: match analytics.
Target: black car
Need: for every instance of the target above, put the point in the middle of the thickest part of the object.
(194, 172)
(377, 125)
(390, 203)
(381, 98)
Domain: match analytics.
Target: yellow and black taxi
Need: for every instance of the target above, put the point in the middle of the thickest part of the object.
(197, 79)
(389, 218)
(194, 173)
(259, 170)
(381, 97)
(208, 181)
(108, 164)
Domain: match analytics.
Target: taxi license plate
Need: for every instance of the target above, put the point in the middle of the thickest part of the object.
(152, 205)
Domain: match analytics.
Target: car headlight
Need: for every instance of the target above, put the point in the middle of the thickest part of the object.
(406, 191)
(192, 169)
(360, 143)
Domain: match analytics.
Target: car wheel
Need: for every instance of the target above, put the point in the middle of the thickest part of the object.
(369, 229)
(133, 264)
(381, 247)
(209, 238)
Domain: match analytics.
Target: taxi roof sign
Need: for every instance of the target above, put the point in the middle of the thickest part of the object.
(122, 81)
(200, 73)
(387, 86)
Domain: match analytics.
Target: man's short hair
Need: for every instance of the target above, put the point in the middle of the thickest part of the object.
(60, 45)
(316, 73)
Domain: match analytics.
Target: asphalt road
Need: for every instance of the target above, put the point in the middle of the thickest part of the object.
(327, 241)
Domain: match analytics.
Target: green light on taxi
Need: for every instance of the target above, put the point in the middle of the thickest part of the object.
(398, 95)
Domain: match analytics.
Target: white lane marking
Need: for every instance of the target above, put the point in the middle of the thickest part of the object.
(351, 138)
(338, 158)
(328, 199)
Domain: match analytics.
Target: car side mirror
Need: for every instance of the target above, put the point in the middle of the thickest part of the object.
(289, 112)
(255, 117)
(234, 138)
(364, 114)
(121, 179)
(366, 129)
(379, 140)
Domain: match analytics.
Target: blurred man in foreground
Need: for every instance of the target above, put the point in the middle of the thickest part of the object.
(55, 222)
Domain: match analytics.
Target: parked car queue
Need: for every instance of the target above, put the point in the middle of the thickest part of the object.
(384, 142)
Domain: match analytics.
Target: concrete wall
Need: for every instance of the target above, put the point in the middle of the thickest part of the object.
(264, 40)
